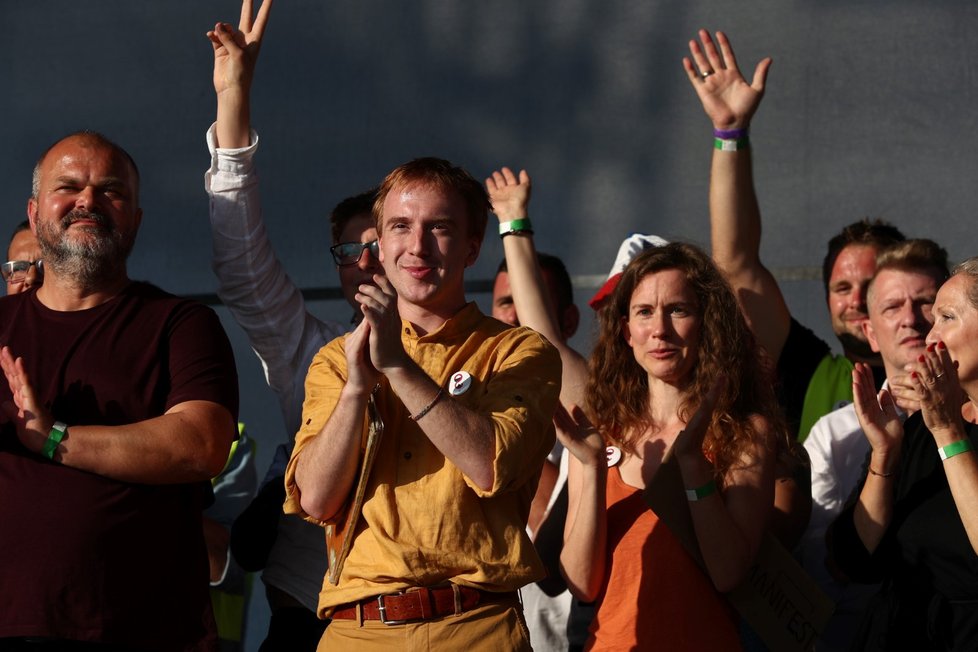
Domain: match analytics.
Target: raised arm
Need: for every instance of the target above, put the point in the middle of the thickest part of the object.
(510, 196)
(189, 443)
(735, 219)
(235, 56)
(252, 282)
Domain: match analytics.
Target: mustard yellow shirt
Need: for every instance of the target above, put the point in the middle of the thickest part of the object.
(423, 521)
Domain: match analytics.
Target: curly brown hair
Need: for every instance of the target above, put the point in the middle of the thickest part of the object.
(618, 387)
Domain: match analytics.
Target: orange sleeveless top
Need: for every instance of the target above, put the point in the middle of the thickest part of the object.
(654, 596)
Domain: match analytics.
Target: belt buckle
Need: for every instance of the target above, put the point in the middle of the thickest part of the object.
(383, 612)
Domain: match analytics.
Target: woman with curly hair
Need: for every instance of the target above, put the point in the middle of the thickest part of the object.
(675, 368)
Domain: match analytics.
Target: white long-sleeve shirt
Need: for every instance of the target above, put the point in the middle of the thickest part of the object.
(264, 301)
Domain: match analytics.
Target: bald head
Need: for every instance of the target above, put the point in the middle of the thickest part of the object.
(91, 139)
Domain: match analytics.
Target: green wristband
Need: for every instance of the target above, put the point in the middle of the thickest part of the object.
(515, 226)
(58, 432)
(699, 493)
(728, 145)
(956, 448)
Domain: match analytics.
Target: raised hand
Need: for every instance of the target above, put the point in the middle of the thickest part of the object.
(935, 379)
(877, 414)
(236, 51)
(579, 436)
(510, 195)
(32, 421)
(235, 56)
(727, 98)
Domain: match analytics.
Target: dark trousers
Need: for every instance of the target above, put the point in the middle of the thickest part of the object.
(293, 629)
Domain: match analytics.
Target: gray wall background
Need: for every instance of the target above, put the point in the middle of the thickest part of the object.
(870, 110)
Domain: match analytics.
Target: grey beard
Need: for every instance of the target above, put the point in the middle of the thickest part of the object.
(90, 263)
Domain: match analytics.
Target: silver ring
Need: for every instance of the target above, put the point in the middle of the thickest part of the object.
(707, 73)
(940, 375)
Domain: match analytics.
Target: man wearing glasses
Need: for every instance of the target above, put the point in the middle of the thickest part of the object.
(23, 269)
(265, 302)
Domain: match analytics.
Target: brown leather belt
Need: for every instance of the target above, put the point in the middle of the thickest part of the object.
(419, 604)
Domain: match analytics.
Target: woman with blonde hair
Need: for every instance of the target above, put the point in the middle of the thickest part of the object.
(913, 522)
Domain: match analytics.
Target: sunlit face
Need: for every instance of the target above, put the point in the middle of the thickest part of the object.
(900, 315)
(24, 246)
(663, 326)
(851, 273)
(504, 309)
(956, 324)
(425, 246)
(86, 214)
(360, 229)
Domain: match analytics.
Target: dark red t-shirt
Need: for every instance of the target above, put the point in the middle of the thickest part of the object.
(82, 556)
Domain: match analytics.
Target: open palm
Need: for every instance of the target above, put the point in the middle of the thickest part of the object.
(727, 98)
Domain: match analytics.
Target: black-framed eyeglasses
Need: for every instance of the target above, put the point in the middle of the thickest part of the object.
(349, 253)
(15, 271)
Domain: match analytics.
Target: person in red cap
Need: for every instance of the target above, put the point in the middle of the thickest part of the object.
(630, 247)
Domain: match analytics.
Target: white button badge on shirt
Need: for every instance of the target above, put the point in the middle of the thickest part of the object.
(460, 383)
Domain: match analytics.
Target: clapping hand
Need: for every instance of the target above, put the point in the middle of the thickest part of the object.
(579, 436)
(935, 378)
(877, 413)
(32, 421)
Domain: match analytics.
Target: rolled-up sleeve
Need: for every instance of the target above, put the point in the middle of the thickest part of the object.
(324, 382)
(521, 396)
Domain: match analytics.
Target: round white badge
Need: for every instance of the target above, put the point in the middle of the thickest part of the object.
(459, 383)
(614, 455)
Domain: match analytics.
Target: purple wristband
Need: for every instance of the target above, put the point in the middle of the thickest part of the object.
(730, 134)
